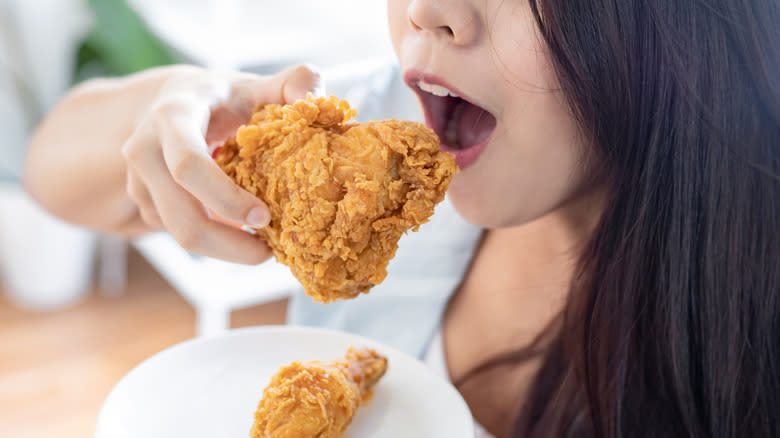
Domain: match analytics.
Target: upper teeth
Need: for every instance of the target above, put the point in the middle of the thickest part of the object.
(436, 90)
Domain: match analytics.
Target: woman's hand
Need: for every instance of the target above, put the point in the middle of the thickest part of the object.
(130, 155)
(171, 176)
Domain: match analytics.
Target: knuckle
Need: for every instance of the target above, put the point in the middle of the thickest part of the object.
(133, 192)
(263, 256)
(298, 75)
(185, 166)
(256, 256)
(131, 148)
(150, 217)
(301, 70)
(189, 238)
(168, 108)
(139, 143)
(233, 204)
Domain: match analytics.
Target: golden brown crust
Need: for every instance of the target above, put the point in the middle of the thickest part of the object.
(340, 194)
(313, 399)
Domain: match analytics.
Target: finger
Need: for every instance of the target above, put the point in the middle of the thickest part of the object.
(143, 201)
(301, 80)
(285, 87)
(151, 218)
(223, 124)
(134, 228)
(228, 116)
(137, 192)
(186, 156)
(135, 151)
(185, 218)
(319, 83)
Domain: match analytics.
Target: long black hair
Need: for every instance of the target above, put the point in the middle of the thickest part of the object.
(673, 325)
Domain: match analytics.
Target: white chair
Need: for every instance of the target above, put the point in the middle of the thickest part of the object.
(215, 288)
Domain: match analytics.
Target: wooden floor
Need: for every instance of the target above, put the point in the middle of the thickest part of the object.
(56, 368)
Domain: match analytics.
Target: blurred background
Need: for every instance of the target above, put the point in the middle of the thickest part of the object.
(78, 310)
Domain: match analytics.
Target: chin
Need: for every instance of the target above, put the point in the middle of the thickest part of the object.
(492, 209)
(477, 209)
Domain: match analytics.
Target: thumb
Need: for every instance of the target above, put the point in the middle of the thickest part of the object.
(287, 86)
(300, 80)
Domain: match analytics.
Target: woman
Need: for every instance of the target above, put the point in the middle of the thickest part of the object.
(631, 184)
(622, 155)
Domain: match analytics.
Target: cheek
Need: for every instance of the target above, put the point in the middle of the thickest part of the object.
(536, 162)
(520, 178)
(519, 53)
(397, 21)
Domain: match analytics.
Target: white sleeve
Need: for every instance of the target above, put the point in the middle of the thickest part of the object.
(37, 57)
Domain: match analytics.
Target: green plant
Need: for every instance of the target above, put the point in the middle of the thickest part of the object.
(118, 43)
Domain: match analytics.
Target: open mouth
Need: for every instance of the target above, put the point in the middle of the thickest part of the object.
(459, 123)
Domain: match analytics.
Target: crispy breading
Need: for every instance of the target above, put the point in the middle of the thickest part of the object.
(313, 399)
(341, 194)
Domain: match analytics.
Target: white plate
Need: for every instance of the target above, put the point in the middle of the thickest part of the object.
(210, 387)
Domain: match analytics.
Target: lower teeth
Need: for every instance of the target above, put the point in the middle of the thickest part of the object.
(451, 134)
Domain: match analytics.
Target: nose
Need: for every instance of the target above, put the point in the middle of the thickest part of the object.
(455, 21)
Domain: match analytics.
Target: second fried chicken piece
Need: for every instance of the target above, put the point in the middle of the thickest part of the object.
(340, 194)
(317, 400)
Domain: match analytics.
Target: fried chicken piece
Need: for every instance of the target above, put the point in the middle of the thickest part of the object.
(317, 400)
(340, 194)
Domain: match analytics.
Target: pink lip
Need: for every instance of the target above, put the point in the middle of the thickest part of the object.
(463, 157)
(466, 157)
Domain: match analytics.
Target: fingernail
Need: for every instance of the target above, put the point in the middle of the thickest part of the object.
(258, 217)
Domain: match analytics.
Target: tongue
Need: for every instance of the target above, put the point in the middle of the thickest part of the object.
(474, 125)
